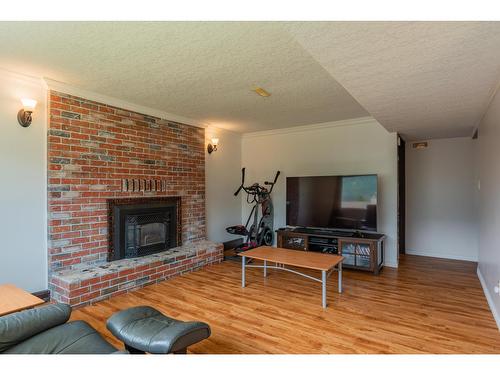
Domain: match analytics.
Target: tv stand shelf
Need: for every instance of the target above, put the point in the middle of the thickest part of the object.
(361, 250)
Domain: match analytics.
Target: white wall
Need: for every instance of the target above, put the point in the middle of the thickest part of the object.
(489, 204)
(440, 210)
(223, 176)
(23, 226)
(359, 146)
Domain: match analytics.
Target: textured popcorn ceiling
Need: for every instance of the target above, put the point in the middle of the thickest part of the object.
(203, 71)
(422, 79)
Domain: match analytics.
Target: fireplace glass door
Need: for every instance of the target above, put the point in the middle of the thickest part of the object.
(146, 234)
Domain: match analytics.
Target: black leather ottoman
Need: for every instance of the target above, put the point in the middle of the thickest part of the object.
(144, 329)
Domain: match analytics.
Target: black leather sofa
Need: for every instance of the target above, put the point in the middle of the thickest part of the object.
(46, 330)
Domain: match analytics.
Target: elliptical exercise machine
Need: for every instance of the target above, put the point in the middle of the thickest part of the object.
(261, 231)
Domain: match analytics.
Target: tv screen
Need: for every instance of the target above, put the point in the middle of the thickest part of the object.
(341, 202)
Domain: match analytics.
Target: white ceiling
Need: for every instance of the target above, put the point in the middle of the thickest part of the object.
(422, 79)
(203, 71)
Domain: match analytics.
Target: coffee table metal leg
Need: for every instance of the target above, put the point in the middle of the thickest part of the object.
(243, 264)
(265, 268)
(340, 277)
(323, 288)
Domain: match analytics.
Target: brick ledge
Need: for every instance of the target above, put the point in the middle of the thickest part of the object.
(91, 284)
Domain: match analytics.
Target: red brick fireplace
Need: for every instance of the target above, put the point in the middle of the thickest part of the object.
(98, 153)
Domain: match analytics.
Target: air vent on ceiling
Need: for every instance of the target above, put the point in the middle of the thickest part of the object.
(419, 145)
(260, 91)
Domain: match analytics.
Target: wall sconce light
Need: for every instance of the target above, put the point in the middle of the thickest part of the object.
(24, 114)
(213, 146)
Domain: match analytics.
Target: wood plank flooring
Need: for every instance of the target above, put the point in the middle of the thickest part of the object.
(428, 305)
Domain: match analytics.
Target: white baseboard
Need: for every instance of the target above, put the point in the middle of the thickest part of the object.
(441, 255)
(390, 264)
(489, 298)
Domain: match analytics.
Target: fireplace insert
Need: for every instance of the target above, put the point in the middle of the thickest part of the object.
(141, 227)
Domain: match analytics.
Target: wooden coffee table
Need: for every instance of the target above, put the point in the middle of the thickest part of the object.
(325, 263)
(13, 299)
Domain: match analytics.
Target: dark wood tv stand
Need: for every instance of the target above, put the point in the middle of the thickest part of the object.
(361, 250)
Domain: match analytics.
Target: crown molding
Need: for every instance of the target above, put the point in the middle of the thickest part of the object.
(23, 77)
(54, 85)
(313, 127)
(476, 126)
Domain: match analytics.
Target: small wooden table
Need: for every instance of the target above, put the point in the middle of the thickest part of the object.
(325, 263)
(13, 299)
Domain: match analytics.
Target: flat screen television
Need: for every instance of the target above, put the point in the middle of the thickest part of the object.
(333, 202)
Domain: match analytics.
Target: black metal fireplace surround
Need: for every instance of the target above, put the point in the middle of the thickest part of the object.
(143, 226)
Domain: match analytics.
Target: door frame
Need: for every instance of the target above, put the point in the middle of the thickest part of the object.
(401, 196)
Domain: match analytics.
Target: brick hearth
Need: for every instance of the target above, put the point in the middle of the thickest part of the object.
(97, 152)
(91, 284)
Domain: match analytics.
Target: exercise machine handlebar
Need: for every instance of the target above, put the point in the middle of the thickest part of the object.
(242, 182)
(272, 183)
(255, 188)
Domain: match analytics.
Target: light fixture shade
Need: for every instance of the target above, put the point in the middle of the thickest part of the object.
(215, 141)
(28, 104)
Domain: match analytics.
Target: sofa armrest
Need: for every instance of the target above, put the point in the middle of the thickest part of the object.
(17, 327)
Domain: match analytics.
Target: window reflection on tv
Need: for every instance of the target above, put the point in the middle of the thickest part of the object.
(341, 202)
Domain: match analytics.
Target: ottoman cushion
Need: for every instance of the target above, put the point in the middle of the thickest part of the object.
(146, 329)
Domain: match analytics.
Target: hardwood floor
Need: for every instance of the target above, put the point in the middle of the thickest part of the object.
(428, 305)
